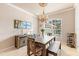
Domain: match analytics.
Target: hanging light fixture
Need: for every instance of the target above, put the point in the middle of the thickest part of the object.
(43, 17)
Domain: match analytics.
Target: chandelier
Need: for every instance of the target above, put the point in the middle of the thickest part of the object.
(43, 17)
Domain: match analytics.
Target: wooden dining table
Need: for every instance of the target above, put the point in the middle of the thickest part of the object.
(44, 41)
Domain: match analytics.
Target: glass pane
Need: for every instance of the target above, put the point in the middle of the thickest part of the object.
(54, 30)
(57, 29)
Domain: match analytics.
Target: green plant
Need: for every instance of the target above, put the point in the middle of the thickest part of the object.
(42, 30)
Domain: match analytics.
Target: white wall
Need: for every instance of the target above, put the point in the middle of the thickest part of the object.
(77, 24)
(7, 16)
(68, 21)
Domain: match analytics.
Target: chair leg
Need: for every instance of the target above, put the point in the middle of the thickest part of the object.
(47, 53)
(42, 53)
(28, 52)
(60, 46)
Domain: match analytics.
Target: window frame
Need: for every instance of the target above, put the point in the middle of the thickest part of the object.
(52, 23)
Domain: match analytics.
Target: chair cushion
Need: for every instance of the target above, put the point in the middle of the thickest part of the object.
(54, 47)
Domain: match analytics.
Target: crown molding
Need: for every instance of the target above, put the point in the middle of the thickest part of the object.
(20, 9)
(61, 11)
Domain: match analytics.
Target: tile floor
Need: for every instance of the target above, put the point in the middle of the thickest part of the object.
(65, 51)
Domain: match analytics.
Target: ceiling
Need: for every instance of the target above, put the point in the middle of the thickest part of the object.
(36, 9)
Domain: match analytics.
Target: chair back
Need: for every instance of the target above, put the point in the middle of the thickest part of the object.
(31, 44)
(33, 47)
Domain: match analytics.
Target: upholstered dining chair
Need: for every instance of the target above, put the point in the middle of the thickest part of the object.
(54, 48)
(33, 48)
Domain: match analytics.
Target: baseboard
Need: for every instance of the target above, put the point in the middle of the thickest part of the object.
(6, 48)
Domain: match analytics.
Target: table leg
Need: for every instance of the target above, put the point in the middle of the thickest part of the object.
(28, 52)
(44, 50)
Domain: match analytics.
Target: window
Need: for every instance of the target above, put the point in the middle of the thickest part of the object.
(57, 24)
(56, 30)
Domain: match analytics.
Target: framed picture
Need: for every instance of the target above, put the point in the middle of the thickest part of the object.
(17, 23)
(22, 24)
(29, 25)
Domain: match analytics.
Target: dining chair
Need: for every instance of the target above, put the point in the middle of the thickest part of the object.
(54, 48)
(34, 48)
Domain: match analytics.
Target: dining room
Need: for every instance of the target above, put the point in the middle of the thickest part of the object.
(37, 31)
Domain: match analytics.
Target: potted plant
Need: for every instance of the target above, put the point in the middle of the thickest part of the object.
(42, 30)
